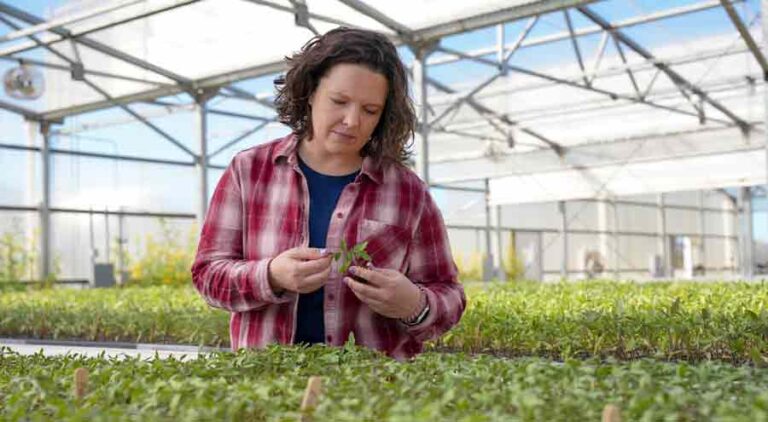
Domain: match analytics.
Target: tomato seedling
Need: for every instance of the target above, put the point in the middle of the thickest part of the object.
(355, 255)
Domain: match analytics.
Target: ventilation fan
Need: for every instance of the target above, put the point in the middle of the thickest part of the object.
(23, 83)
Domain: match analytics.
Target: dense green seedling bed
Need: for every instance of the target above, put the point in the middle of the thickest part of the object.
(362, 385)
(724, 320)
(692, 321)
(142, 314)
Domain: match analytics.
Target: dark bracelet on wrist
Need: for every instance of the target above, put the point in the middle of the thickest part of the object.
(423, 312)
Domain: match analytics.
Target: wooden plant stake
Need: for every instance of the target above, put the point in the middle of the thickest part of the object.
(81, 383)
(611, 413)
(311, 397)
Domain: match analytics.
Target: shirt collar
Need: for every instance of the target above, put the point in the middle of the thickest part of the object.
(287, 151)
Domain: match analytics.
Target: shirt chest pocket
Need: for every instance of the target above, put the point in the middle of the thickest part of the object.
(387, 244)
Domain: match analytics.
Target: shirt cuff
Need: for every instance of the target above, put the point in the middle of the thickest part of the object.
(262, 287)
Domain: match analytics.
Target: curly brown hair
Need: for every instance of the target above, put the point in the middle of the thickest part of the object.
(393, 135)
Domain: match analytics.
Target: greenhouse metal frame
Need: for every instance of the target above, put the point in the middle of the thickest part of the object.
(497, 128)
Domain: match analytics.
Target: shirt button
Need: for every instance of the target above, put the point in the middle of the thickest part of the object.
(330, 297)
(328, 338)
(339, 215)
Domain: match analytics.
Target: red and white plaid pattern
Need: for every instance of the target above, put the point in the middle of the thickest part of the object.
(260, 208)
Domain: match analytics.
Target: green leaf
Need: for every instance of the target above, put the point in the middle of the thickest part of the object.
(757, 358)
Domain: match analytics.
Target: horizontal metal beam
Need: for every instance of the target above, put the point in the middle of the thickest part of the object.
(315, 16)
(587, 231)
(369, 11)
(457, 188)
(607, 72)
(168, 108)
(104, 94)
(66, 20)
(125, 213)
(109, 156)
(561, 36)
(101, 212)
(529, 115)
(96, 45)
(74, 35)
(215, 81)
(611, 94)
(238, 139)
(572, 82)
(525, 10)
(599, 164)
(25, 112)
(486, 112)
(210, 110)
(70, 68)
(19, 208)
(676, 77)
(243, 94)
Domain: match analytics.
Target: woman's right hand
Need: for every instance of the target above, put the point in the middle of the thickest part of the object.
(300, 270)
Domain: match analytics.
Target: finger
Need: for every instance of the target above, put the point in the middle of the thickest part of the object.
(373, 276)
(309, 253)
(375, 305)
(316, 280)
(363, 291)
(307, 268)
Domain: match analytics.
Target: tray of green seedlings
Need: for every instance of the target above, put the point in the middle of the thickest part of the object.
(142, 314)
(669, 320)
(361, 385)
(726, 320)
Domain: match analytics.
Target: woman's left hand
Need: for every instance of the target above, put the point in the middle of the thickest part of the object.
(387, 292)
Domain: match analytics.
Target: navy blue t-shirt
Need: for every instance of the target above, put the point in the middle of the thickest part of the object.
(324, 192)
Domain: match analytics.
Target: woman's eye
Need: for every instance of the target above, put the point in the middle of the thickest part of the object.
(371, 112)
(335, 101)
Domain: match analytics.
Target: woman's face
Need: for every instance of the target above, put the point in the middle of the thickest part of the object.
(346, 107)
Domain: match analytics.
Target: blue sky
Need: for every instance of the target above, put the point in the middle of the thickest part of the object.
(72, 175)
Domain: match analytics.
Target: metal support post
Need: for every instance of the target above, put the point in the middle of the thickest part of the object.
(663, 241)
(502, 274)
(488, 261)
(201, 115)
(31, 220)
(421, 53)
(702, 234)
(729, 215)
(746, 243)
(602, 226)
(106, 235)
(616, 244)
(45, 204)
(121, 247)
(564, 237)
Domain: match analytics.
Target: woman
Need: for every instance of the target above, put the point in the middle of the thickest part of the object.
(281, 209)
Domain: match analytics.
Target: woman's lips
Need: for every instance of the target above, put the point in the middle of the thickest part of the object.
(344, 136)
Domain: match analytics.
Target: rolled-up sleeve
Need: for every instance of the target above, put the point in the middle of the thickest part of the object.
(220, 273)
(431, 265)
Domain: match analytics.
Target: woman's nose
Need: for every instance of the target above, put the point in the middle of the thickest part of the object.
(352, 117)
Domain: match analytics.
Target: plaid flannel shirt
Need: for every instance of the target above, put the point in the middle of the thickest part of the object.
(260, 208)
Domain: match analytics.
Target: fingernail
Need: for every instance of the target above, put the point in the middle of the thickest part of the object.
(323, 252)
(370, 265)
(353, 270)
